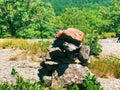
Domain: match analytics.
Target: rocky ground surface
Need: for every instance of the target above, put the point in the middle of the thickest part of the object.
(30, 69)
(110, 47)
(27, 69)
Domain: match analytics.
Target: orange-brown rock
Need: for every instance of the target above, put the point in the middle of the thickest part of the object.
(72, 33)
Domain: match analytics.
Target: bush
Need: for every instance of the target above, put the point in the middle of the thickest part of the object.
(90, 83)
(107, 35)
(28, 33)
(92, 41)
(5, 34)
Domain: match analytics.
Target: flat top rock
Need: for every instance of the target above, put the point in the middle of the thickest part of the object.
(51, 63)
(73, 33)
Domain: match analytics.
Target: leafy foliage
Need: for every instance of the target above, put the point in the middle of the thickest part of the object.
(90, 83)
(59, 6)
(92, 41)
(107, 35)
(37, 19)
(73, 18)
(26, 19)
(13, 72)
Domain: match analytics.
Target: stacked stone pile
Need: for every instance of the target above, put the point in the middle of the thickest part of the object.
(68, 47)
(67, 59)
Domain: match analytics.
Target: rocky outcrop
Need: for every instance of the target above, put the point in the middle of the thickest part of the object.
(68, 57)
(67, 74)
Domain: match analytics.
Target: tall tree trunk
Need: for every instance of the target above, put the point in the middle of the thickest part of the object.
(1, 31)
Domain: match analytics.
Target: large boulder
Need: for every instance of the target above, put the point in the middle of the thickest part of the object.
(71, 35)
(68, 74)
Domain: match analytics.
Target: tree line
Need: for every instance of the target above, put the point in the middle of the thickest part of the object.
(60, 5)
(40, 19)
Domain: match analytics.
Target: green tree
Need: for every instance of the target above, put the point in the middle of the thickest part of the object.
(60, 5)
(26, 18)
(95, 20)
(88, 21)
(73, 18)
(114, 16)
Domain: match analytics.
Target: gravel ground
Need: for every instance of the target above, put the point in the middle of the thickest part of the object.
(29, 69)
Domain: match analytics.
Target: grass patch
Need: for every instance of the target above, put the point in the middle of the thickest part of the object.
(25, 45)
(44, 45)
(105, 66)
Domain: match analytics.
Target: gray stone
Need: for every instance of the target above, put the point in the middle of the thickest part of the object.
(58, 43)
(70, 47)
(71, 55)
(68, 74)
(63, 60)
(64, 45)
(56, 52)
(84, 53)
(51, 65)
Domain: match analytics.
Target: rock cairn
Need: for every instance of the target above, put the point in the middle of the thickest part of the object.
(68, 56)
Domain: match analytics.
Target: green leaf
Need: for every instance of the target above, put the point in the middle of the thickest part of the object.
(13, 72)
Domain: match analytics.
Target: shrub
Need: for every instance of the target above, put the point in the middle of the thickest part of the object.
(28, 33)
(5, 34)
(90, 83)
(92, 41)
(107, 35)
